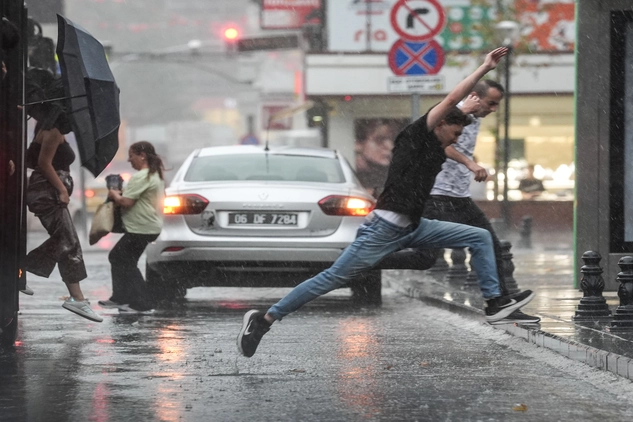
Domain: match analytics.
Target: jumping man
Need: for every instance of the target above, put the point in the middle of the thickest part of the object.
(396, 223)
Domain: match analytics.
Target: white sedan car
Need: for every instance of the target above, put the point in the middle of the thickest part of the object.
(247, 216)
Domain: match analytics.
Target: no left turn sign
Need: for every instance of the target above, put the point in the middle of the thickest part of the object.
(418, 20)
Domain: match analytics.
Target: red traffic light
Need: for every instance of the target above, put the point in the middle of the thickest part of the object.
(231, 33)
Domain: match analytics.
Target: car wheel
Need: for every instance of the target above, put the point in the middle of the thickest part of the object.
(367, 289)
(163, 290)
(10, 332)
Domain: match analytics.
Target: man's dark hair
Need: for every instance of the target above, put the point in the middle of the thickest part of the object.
(10, 34)
(457, 117)
(482, 87)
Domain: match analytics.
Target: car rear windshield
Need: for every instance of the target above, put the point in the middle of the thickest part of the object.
(295, 168)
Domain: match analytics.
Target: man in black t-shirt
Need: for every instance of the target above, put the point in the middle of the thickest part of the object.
(396, 223)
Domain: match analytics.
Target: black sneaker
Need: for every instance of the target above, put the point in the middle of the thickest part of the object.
(110, 304)
(254, 326)
(518, 317)
(501, 307)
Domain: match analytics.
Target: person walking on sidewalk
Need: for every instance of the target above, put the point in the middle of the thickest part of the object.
(142, 218)
(451, 199)
(396, 223)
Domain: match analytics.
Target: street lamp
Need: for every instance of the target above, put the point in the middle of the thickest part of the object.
(508, 34)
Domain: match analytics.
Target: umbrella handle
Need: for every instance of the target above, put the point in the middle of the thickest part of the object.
(53, 99)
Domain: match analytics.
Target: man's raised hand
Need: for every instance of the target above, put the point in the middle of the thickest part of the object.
(494, 57)
(471, 104)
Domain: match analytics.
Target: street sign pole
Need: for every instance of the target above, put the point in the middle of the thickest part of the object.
(415, 106)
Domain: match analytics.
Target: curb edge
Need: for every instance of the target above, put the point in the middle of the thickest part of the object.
(600, 359)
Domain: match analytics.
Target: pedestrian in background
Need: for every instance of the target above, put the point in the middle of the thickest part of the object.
(530, 186)
(451, 199)
(396, 223)
(141, 203)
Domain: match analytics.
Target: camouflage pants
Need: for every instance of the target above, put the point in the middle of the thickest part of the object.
(62, 247)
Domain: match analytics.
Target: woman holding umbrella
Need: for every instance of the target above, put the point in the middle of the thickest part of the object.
(48, 195)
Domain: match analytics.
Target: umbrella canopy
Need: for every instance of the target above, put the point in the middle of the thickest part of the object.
(92, 95)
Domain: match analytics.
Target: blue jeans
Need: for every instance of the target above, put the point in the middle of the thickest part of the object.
(377, 238)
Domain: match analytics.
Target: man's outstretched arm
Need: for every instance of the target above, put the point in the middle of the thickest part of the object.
(463, 88)
(480, 173)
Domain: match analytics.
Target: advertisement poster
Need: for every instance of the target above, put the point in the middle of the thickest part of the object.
(365, 26)
(374, 141)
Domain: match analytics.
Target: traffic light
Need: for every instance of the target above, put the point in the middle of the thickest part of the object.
(317, 115)
(230, 35)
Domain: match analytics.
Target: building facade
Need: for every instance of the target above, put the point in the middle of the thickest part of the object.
(352, 79)
(604, 133)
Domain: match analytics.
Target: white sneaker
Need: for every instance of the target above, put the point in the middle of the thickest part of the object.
(27, 290)
(127, 309)
(81, 308)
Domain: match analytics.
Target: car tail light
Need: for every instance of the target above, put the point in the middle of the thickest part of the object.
(346, 205)
(184, 204)
(89, 193)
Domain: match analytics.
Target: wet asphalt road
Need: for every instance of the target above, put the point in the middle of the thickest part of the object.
(328, 362)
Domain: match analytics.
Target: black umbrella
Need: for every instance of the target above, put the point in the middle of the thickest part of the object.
(92, 95)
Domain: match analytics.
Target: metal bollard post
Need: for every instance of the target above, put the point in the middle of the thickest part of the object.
(440, 264)
(525, 241)
(472, 280)
(508, 267)
(593, 305)
(623, 316)
(458, 270)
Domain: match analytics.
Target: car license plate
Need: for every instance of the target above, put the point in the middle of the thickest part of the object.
(263, 218)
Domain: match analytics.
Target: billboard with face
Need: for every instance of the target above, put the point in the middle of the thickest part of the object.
(374, 140)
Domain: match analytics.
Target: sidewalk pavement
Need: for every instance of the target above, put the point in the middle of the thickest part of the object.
(547, 269)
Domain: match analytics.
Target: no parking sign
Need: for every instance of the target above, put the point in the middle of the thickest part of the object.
(416, 58)
(416, 55)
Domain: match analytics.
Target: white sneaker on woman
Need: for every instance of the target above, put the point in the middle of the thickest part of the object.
(82, 308)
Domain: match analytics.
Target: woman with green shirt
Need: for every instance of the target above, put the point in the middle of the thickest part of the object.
(141, 204)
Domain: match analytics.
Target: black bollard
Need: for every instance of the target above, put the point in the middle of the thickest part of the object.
(525, 241)
(440, 263)
(472, 280)
(458, 269)
(508, 267)
(623, 316)
(593, 305)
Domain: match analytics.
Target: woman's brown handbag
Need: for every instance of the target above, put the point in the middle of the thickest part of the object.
(107, 219)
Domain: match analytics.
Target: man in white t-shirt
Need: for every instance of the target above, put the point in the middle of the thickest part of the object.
(451, 199)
